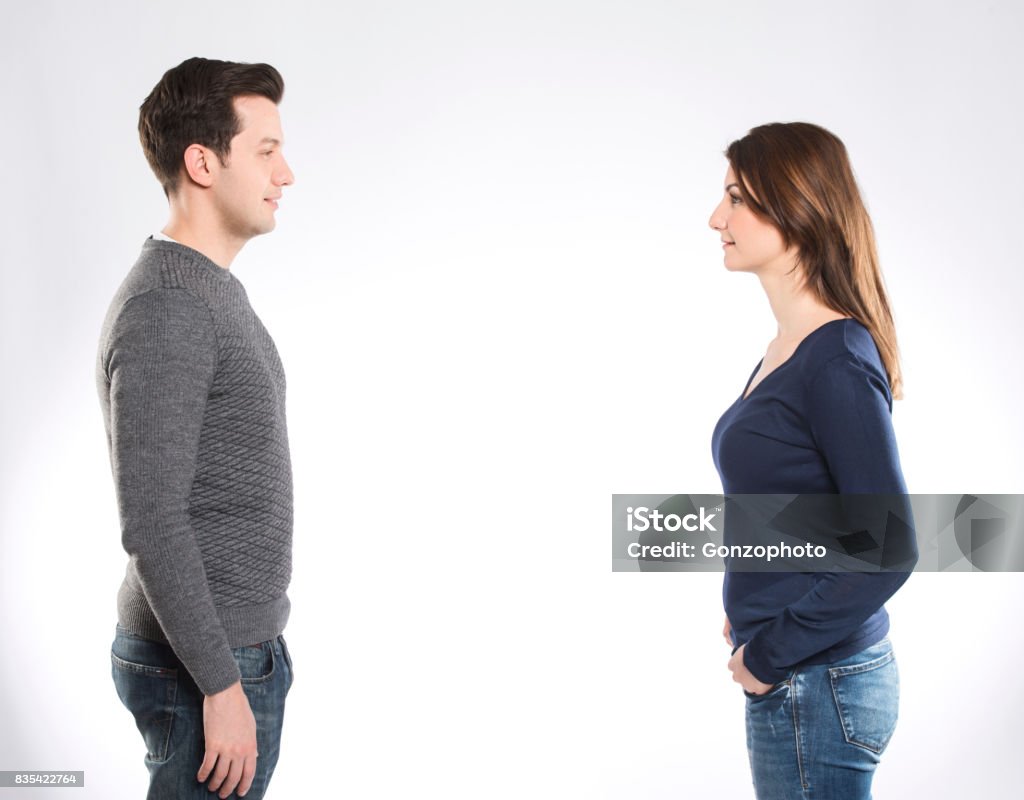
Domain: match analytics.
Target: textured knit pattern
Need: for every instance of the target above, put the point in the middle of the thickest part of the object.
(820, 423)
(193, 397)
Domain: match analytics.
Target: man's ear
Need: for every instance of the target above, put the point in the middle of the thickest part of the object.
(201, 164)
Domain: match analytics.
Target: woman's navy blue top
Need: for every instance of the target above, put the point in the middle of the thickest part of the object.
(820, 423)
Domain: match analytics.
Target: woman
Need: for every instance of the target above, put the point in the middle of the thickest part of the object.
(811, 650)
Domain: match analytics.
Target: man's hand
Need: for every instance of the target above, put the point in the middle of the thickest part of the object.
(743, 676)
(727, 633)
(230, 731)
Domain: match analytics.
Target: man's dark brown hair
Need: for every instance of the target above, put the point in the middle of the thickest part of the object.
(194, 104)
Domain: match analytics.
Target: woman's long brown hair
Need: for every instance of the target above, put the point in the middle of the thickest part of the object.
(798, 177)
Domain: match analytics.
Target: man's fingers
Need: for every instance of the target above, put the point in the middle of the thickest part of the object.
(248, 773)
(234, 775)
(207, 766)
(231, 774)
(220, 773)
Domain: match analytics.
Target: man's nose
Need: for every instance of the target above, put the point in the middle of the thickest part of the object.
(285, 176)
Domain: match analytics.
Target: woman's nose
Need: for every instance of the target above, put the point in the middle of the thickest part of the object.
(717, 221)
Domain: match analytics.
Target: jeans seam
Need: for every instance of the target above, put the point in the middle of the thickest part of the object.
(797, 736)
(170, 725)
(286, 657)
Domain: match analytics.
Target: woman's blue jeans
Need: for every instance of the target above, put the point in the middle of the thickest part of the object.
(168, 709)
(819, 734)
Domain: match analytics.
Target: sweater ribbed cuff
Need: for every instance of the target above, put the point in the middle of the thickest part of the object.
(758, 666)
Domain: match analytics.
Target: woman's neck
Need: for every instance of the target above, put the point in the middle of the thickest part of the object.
(796, 309)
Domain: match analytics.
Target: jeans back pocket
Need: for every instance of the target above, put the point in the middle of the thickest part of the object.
(149, 692)
(867, 699)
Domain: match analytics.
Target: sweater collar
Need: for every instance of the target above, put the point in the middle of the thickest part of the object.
(187, 254)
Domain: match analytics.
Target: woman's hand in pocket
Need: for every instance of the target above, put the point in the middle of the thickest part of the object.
(744, 677)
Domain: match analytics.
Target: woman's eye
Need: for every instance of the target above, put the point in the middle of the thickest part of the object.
(735, 199)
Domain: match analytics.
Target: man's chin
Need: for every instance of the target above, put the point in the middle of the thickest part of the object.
(265, 227)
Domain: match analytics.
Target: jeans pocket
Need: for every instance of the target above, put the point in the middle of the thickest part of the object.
(288, 660)
(149, 692)
(867, 699)
(779, 689)
(255, 662)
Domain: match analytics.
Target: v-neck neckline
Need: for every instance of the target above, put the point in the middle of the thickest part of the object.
(747, 391)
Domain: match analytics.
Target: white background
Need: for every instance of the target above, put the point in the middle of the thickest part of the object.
(498, 301)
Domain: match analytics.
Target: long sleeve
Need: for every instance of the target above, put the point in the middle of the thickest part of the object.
(848, 408)
(159, 362)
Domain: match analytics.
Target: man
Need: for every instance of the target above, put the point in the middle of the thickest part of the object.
(193, 394)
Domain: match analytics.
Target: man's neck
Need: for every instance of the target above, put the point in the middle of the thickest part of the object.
(209, 240)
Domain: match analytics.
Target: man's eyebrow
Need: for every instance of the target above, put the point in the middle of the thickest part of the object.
(270, 140)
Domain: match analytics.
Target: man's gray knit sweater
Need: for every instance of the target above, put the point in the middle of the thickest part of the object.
(193, 397)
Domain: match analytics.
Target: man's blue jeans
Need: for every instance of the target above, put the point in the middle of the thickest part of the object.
(820, 733)
(168, 709)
